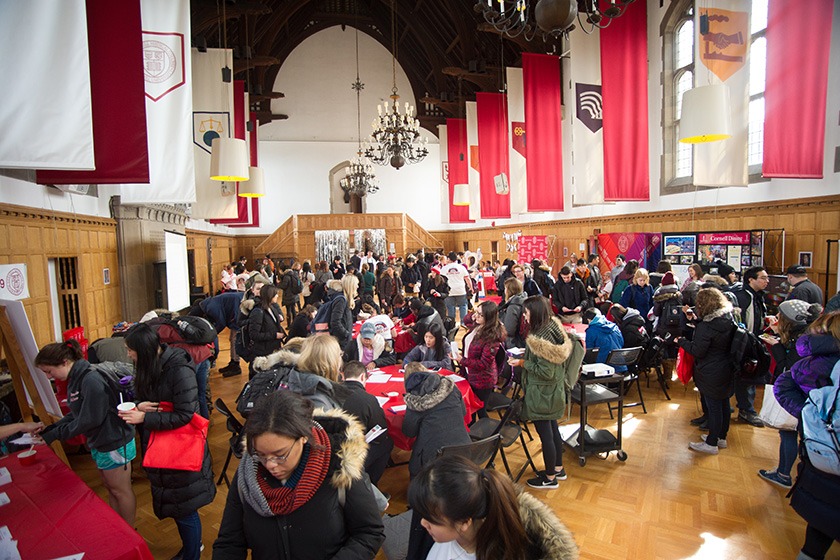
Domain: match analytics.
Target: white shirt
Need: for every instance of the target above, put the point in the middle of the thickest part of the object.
(383, 325)
(456, 275)
(449, 551)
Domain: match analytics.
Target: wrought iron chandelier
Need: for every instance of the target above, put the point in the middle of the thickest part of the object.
(552, 17)
(360, 179)
(598, 18)
(508, 17)
(395, 139)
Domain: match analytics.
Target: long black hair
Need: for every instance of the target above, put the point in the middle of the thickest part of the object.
(454, 489)
(539, 312)
(144, 341)
(437, 332)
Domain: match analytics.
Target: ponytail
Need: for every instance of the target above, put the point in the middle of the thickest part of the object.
(502, 535)
(56, 353)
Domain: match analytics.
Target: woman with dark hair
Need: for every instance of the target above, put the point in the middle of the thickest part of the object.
(434, 352)
(369, 280)
(480, 356)
(299, 492)
(164, 380)
(463, 511)
(93, 413)
(549, 369)
(389, 287)
(713, 373)
(692, 284)
(511, 313)
(307, 278)
(436, 290)
(265, 332)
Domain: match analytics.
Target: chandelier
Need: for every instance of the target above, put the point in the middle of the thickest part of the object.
(598, 18)
(395, 139)
(508, 17)
(360, 179)
(552, 17)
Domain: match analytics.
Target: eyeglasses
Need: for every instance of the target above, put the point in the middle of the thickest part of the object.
(277, 460)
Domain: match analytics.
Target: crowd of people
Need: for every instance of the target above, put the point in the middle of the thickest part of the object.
(295, 325)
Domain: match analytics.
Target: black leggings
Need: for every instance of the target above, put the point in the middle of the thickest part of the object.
(552, 444)
(817, 543)
(482, 394)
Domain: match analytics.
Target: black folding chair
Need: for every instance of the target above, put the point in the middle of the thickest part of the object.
(628, 357)
(591, 356)
(481, 452)
(510, 430)
(235, 428)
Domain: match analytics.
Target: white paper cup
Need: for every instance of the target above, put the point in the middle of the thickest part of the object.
(392, 394)
(126, 406)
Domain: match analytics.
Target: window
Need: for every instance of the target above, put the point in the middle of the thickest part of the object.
(678, 52)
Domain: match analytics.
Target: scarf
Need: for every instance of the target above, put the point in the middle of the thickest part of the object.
(257, 491)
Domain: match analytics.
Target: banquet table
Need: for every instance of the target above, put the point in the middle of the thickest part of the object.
(395, 419)
(52, 513)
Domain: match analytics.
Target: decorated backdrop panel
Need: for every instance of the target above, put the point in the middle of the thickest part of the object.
(643, 247)
(332, 243)
(533, 247)
(370, 240)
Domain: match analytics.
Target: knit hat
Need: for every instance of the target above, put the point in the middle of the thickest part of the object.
(724, 270)
(436, 270)
(368, 331)
(798, 311)
(668, 279)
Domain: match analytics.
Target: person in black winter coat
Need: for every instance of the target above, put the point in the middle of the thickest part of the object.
(300, 325)
(569, 296)
(341, 294)
(511, 313)
(264, 330)
(713, 373)
(436, 290)
(426, 316)
(543, 277)
(631, 324)
(411, 276)
(300, 492)
(167, 375)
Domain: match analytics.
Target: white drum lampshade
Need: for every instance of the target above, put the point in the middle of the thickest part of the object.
(255, 186)
(706, 115)
(229, 160)
(461, 195)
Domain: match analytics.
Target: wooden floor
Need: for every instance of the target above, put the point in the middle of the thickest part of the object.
(663, 502)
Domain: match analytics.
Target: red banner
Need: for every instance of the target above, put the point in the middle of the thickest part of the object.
(244, 218)
(624, 81)
(533, 247)
(737, 238)
(117, 95)
(456, 139)
(544, 148)
(491, 112)
(796, 88)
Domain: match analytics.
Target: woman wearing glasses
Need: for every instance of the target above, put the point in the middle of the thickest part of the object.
(299, 491)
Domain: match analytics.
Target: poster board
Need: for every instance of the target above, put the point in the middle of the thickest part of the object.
(739, 249)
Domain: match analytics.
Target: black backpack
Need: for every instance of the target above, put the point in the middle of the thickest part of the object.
(671, 315)
(195, 330)
(750, 358)
(296, 285)
(263, 383)
(243, 345)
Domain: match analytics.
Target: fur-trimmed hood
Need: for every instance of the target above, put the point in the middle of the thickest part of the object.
(666, 293)
(721, 312)
(281, 357)
(427, 389)
(247, 305)
(549, 534)
(551, 343)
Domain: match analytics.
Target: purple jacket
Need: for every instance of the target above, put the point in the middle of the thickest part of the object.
(820, 352)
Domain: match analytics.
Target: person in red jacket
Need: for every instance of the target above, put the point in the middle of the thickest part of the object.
(481, 348)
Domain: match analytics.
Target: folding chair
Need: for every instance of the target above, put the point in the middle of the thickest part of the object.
(628, 357)
(481, 452)
(510, 430)
(235, 428)
(591, 356)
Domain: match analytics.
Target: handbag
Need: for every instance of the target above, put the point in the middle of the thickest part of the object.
(773, 414)
(181, 449)
(685, 366)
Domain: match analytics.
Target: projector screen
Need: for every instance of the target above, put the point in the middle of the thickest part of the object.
(177, 275)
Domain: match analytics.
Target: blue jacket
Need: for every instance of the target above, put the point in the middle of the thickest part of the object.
(222, 310)
(639, 298)
(606, 336)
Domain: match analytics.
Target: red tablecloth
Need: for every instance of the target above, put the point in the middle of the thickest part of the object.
(489, 281)
(52, 513)
(395, 419)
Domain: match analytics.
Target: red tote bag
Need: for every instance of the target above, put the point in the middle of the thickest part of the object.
(181, 449)
(685, 366)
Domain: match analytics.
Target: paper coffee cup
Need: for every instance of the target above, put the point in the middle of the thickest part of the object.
(126, 406)
(392, 394)
(27, 457)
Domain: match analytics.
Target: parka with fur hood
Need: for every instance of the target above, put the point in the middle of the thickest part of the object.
(713, 371)
(551, 366)
(322, 527)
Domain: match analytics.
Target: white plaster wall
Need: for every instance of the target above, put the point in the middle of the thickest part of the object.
(19, 187)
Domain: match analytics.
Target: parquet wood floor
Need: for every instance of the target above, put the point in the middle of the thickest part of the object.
(664, 502)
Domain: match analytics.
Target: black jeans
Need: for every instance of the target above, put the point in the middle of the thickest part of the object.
(718, 411)
(377, 458)
(481, 394)
(552, 444)
(817, 543)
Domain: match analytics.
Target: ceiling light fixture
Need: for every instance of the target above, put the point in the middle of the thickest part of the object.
(706, 115)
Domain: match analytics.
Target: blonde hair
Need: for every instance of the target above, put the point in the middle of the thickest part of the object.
(321, 355)
(642, 273)
(334, 285)
(827, 324)
(414, 367)
(350, 287)
(512, 287)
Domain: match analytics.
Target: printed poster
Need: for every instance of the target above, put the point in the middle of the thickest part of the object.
(734, 257)
(14, 283)
(680, 245)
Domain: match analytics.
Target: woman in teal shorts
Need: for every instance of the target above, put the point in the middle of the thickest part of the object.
(93, 412)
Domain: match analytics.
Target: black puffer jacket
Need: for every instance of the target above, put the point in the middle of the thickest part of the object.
(511, 313)
(632, 327)
(713, 372)
(341, 317)
(176, 493)
(664, 300)
(426, 316)
(263, 327)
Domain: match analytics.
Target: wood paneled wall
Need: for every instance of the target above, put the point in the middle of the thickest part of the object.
(808, 223)
(33, 236)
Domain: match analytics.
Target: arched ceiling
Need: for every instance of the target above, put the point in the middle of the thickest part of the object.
(442, 45)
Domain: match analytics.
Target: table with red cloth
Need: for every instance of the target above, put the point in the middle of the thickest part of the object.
(395, 419)
(489, 281)
(52, 513)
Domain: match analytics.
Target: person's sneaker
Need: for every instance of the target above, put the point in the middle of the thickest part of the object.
(751, 418)
(774, 477)
(698, 421)
(542, 481)
(703, 447)
(561, 474)
(721, 442)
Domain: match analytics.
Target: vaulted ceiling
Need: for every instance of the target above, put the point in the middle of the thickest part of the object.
(444, 46)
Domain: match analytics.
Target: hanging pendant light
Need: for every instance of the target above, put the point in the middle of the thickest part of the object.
(461, 195)
(255, 186)
(229, 160)
(706, 115)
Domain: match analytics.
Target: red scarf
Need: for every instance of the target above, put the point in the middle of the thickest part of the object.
(285, 500)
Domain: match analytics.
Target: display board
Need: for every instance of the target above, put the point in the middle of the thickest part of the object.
(177, 271)
(738, 249)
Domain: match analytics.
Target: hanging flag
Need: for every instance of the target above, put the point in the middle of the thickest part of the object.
(445, 191)
(722, 45)
(796, 89)
(587, 119)
(168, 86)
(624, 79)
(474, 170)
(517, 142)
(243, 207)
(491, 116)
(46, 114)
(212, 106)
(543, 115)
(456, 144)
(116, 91)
